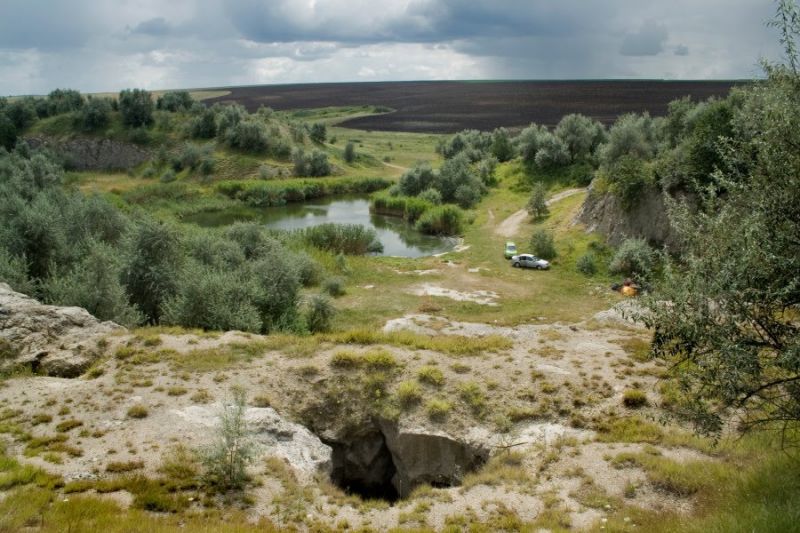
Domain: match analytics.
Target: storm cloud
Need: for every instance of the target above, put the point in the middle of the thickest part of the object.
(100, 46)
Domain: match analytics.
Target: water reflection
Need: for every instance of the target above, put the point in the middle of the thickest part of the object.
(398, 237)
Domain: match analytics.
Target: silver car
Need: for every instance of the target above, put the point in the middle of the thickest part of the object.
(529, 261)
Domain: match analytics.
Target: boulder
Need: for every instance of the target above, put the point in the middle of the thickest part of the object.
(272, 435)
(52, 340)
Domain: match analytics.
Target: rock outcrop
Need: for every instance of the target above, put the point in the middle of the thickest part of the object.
(648, 219)
(272, 435)
(52, 340)
(90, 153)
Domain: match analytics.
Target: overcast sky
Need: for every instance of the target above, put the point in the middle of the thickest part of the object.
(103, 45)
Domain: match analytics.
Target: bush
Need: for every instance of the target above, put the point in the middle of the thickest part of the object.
(203, 126)
(632, 135)
(136, 108)
(586, 265)
(313, 165)
(551, 152)
(317, 132)
(350, 152)
(431, 195)
(417, 179)
(581, 135)
(334, 287)
(249, 135)
(62, 101)
(441, 220)
(319, 314)
(543, 245)
(438, 409)
(629, 177)
(537, 204)
(168, 176)
(8, 132)
(502, 148)
(634, 258)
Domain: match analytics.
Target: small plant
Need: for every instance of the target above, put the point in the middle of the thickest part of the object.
(346, 359)
(634, 398)
(334, 286)
(261, 401)
(430, 375)
(117, 467)
(350, 152)
(137, 411)
(41, 418)
(438, 409)
(586, 265)
(68, 425)
(319, 314)
(473, 396)
(201, 396)
(380, 360)
(226, 460)
(409, 393)
(176, 391)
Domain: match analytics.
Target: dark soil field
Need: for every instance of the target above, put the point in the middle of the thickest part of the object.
(450, 106)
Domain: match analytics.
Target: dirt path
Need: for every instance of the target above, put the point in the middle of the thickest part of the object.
(398, 167)
(510, 226)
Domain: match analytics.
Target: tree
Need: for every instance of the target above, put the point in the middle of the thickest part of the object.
(581, 135)
(64, 101)
(543, 245)
(152, 266)
(8, 132)
(136, 107)
(725, 315)
(175, 101)
(349, 152)
(502, 148)
(95, 114)
(537, 204)
(418, 178)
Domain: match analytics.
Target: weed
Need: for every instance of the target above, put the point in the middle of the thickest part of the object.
(67, 425)
(430, 375)
(438, 409)
(117, 467)
(137, 411)
(634, 398)
(409, 393)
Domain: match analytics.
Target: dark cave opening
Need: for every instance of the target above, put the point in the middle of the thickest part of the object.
(364, 467)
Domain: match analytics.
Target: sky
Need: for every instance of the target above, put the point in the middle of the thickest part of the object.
(103, 45)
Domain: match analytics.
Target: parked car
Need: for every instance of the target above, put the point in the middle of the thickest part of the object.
(529, 261)
(511, 250)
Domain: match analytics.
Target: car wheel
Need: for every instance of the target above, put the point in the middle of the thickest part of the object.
(515, 265)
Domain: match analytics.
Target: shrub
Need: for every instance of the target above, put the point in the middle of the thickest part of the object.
(430, 375)
(581, 135)
(634, 398)
(349, 152)
(431, 195)
(586, 264)
(537, 204)
(168, 176)
(226, 460)
(137, 411)
(314, 165)
(417, 179)
(502, 148)
(543, 245)
(634, 258)
(346, 359)
(334, 286)
(136, 107)
(551, 152)
(319, 313)
(632, 135)
(318, 132)
(204, 125)
(380, 360)
(409, 393)
(249, 135)
(629, 176)
(441, 220)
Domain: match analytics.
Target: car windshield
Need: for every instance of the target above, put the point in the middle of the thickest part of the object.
(511, 247)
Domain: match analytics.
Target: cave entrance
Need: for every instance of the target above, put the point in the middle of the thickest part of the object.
(364, 466)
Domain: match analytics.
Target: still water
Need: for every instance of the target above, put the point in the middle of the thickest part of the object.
(397, 236)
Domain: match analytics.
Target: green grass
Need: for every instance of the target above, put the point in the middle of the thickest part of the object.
(430, 375)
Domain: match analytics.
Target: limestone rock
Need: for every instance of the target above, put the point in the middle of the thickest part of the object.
(272, 435)
(52, 340)
(89, 153)
(425, 456)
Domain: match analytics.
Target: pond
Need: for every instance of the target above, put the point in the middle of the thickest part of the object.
(397, 236)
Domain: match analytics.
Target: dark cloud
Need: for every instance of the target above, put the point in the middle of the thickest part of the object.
(156, 27)
(647, 41)
(44, 24)
(681, 50)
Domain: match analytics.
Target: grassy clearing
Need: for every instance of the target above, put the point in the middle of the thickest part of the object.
(448, 344)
